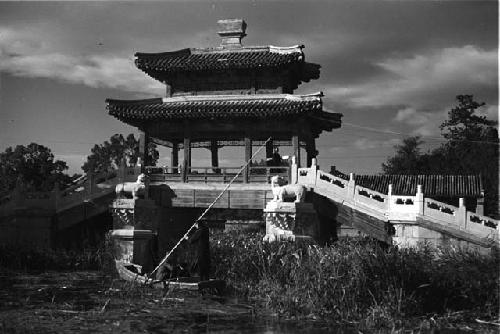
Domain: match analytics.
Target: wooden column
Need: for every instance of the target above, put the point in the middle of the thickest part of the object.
(143, 150)
(168, 90)
(311, 151)
(269, 150)
(175, 156)
(187, 157)
(296, 149)
(248, 155)
(214, 149)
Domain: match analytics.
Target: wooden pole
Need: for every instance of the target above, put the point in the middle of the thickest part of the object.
(269, 150)
(214, 149)
(187, 157)
(310, 151)
(175, 157)
(143, 150)
(296, 149)
(248, 155)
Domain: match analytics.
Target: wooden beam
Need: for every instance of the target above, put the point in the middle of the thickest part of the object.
(296, 149)
(248, 155)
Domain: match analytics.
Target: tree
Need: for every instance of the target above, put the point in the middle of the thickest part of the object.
(108, 155)
(408, 158)
(34, 165)
(471, 148)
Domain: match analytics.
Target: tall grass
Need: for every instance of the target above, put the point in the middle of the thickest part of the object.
(42, 259)
(356, 280)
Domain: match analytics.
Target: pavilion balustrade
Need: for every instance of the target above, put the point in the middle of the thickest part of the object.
(257, 174)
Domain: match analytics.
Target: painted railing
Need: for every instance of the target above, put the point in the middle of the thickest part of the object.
(395, 207)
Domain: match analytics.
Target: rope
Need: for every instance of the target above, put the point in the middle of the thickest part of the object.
(195, 224)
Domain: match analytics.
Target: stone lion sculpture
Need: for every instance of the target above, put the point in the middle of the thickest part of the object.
(283, 191)
(134, 188)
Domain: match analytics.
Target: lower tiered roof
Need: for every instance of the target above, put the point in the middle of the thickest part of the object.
(224, 107)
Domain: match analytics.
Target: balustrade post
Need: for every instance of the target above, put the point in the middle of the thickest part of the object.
(480, 205)
(389, 199)
(313, 170)
(461, 214)
(293, 171)
(419, 200)
(351, 186)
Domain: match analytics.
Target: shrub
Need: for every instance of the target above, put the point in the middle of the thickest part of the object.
(355, 279)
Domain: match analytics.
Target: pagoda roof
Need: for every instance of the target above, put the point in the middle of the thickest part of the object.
(211, 107)
(160, 65)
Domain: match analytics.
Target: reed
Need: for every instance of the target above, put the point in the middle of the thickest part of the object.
(356, 280)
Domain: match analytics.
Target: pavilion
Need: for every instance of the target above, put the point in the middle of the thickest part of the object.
(230, 95)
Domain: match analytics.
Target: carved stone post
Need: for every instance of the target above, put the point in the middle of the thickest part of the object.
(480, 205)
(419, 200)
(351, 186)
(461, 215)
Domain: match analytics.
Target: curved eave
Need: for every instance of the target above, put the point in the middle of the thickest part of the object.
(225, 107)
(162, 66)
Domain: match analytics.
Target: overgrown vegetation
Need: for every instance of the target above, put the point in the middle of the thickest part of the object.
(34, 259)
(357, 280)
(354, 281)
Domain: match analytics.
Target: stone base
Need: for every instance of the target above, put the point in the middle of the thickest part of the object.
(134, 247)
(135, 226)
(290, 221)
(411, 235)
(135, 213)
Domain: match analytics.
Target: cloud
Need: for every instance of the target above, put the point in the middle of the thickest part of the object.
(425, 81)
(423, 123)
(21, 55)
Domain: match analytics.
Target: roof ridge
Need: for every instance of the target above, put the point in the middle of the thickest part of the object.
(189, 98)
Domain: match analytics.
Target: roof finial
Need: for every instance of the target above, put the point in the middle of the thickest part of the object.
(231, 31)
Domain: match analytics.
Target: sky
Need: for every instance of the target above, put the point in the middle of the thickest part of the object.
(392, 68)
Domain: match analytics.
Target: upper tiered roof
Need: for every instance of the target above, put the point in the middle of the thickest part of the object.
(175, 67)
(216, 59)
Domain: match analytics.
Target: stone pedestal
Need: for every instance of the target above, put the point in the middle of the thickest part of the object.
(291, 221)
(134, 231)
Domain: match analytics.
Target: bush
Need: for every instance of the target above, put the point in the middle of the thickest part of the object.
(355, 280)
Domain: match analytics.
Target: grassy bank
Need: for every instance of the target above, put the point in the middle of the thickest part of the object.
(356, 280)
